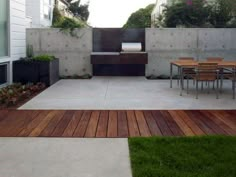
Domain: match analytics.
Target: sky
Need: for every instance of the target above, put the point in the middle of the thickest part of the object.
(113, 13)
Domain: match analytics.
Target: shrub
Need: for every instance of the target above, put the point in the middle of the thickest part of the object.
(43, 58)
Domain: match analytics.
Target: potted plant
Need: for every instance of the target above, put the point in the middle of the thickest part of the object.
(41, 68)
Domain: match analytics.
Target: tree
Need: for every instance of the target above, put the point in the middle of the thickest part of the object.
(79, 10)
(193, 13)
(223, 12)
(140, 18)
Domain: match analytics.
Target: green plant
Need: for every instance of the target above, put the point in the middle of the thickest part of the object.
(43, 58)
(69, 25)
(14, 93)
(29, 51)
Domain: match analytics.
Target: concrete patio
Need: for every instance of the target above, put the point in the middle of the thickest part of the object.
(127, 93)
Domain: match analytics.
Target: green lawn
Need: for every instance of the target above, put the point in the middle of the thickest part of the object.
(183, 157)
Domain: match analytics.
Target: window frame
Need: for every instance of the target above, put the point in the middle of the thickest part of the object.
(8, 34)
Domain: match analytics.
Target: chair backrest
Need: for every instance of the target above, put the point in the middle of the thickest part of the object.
(186, 59)
(207, 70)
(215, 59)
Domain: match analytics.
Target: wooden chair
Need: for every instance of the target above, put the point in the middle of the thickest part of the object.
(231, 75)
(186, 71)
(215, 59)
(206, 72)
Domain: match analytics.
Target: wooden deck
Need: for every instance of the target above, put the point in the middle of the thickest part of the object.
(117, 124)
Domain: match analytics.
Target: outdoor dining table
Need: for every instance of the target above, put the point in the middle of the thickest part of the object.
(193, 64)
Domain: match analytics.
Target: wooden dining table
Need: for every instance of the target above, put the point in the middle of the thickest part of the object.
(193, 64)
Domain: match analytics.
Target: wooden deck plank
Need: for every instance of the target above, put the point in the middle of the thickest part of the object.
(132, 124)
(197, 119)
(3, 114)
(212, 123)
(82, 126)
(38, 129)
(122, 124)
(70, 129)
(194, 127)
(172, 124)
(92, 125)
(220, 123)
(33, 124)
(224, 118)
(165, 130)
(184, 127)
(153, 127)
(142, 124)
(38, 123)
(29, 116)
(102, 125)
(47, 132)
(112, 130)
(61, 126)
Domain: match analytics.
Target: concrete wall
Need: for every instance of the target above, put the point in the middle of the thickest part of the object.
(162, 45)
(165, 45)
(73, 52)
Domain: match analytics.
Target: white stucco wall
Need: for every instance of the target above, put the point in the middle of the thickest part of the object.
(17, 34)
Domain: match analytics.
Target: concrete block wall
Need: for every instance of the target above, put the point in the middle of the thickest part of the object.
(165, 45)
(73, 52)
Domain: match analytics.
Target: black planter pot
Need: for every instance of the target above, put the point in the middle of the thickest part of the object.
(36, 71)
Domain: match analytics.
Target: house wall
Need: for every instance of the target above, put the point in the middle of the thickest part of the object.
(73, 51)
(166, 45)
(17, 34)
(35, 9)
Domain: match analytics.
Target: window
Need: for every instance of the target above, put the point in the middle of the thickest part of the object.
(3, 74)
(47, 9)
(3, 28)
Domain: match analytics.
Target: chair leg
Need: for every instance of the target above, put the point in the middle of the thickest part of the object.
(208, 83)
(217, 88)
(233, 89)
(197, 89)
(213, 88)
(187, 84)
(178, 78)
(202, 86)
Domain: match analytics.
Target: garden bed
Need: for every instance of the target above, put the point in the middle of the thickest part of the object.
(15, 95)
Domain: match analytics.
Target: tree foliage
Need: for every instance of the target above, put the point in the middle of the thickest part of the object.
(199, 13)
(78, 9)
(140, 18)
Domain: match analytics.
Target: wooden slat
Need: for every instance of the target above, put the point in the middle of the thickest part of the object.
(102, 125)
(92, 126)
(197, 119)
(3, 114)
(184, 127)
(153, 127)
(161, 123)
(211, 123)
(172, 124)
(142, 124)
(194, 127)
(47, 132)
(220, 123)
(29, 116)
(33, 124)
(37, 130)
(82, 126)
(70, 129)
(112, 131)
(132, 124)
(122, 125)
(224, 118)
(61, 126)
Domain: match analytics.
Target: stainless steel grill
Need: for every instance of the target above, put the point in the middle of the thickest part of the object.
(131, 47)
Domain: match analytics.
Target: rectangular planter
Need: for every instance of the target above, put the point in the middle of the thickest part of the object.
(36, 71)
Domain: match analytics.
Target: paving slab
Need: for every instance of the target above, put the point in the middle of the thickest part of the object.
(51, 157)
(119, 93)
